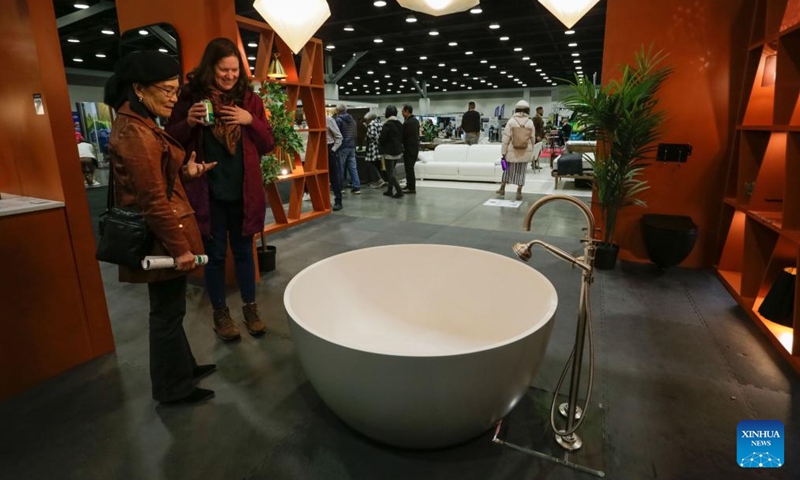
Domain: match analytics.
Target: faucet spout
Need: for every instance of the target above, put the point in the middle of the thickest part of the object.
(590, 223)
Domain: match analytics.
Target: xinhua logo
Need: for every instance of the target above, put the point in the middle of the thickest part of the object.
(760, 444)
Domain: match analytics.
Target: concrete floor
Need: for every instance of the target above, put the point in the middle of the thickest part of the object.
(678, 366)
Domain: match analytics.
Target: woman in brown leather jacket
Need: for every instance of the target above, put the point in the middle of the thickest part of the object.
(148, 174)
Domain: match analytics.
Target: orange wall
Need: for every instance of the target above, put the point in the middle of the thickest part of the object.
(707, 44)
(54, 314)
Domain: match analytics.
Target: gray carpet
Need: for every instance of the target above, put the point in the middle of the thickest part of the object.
(678, 366)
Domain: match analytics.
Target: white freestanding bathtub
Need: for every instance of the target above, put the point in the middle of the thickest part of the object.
(420, 346)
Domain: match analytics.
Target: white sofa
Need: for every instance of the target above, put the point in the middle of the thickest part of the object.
(471, 163)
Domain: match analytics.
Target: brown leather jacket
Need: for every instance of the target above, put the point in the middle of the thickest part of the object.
(145, 161)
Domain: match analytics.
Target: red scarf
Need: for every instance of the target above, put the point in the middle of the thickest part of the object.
(227, 135)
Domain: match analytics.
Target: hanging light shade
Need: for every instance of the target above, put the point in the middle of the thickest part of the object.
(295, 21)
(569, 11)
(438, 7)
(276, 70)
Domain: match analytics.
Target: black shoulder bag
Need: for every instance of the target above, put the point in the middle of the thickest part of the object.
(125, 238)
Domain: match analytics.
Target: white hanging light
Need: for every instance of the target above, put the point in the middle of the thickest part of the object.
(295, 21)
(438, 7)
(569, 11)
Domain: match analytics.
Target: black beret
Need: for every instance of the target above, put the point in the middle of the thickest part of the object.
(145, 67)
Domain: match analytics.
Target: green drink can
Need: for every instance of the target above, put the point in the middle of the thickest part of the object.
(209, 118)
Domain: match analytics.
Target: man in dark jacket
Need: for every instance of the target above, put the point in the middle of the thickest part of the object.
(410, 147)
(390, 144)
(471, 124)
(347, 152)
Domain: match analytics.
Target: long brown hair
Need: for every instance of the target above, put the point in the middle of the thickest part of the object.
(201, 79)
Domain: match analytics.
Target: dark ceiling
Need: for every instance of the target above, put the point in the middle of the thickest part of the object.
(536, 41)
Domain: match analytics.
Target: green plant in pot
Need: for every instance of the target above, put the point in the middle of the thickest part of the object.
(622, 116)
(287, 141)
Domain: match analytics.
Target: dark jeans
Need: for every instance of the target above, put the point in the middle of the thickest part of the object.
(171, 359)
(391, 176)
(409, 159)
(226, 223)
(334, 172)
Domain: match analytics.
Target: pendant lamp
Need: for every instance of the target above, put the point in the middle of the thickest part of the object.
(569, 11)
(295, 21)
(276, 70)
(438, 7)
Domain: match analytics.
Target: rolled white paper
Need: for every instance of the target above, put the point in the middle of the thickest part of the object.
(155, 262)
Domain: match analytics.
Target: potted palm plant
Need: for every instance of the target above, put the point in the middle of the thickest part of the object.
(622, 117)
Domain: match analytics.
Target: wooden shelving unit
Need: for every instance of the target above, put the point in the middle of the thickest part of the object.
(761, 205)
(304, 83)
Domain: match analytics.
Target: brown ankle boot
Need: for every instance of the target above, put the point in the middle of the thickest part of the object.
(223, 325)
(254, 324)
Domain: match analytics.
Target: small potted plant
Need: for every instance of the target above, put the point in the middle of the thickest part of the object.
(287, 141)
(623, 117)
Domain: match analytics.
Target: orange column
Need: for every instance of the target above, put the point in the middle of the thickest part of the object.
(54, 314)
(707, 45)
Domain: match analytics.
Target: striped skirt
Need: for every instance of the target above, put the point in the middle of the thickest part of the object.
(515, 173)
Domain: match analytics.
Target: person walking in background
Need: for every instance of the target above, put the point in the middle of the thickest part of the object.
(148, 172)
(519, 136)
(390, 143)
(88, 160)
(538, 124)
(471, 124)
(565, 132)
(334, 162)
(373, 150)
(230, 204)
(410, 147)
(347, 153)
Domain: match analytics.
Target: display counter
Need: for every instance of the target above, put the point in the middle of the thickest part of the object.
(15, 204)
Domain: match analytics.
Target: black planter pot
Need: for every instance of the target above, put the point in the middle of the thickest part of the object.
(605, 258)
(266, 259)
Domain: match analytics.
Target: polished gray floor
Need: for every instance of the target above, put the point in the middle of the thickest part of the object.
(678, 365)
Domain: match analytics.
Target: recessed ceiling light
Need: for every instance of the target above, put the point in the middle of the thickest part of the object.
(164, 50)
(357, 78)
(503, 39)
(538, 69)
(423, 57)
(376, 81)
(349, 83)
(143, 32)
(494, 86)
(484, 61)
(525, 59)
(576, 54)
(576, 61)
(81, 6)
(452, 44)
(453, 69)
(518, 49)
(483, 80)
(441, 64)
(403, 68)
(494, 26)
(569, 32)
(469, 88)
(382, 62)
(252, 68)
(492, 66)
(542, 74)
(379, 3)
(73, 40)
(433, 33)
(79, 60)
(252, 44)
(370, 72)
(444, 89)
(476, 10)
(330, 47)
(434, 76)
(399, 49)
(462, 85)
(578, 68)
(419, 72)
(510, 76)
(466, 74)
(533, 64)
(378, 40)
(411, 19)
(387, 76)
(251, 58)
(348, 28)
(572, 45)
(503, 72)
(100, 55)
(404, 80)
(107, 32)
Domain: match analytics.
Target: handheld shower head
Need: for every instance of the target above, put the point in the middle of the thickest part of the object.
(523, 251)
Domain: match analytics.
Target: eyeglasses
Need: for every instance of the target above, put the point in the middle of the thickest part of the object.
(169, 92)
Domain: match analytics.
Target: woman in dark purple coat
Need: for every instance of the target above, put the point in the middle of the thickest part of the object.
(229, 202)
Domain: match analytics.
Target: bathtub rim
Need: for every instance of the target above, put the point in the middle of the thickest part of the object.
(547, 317)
